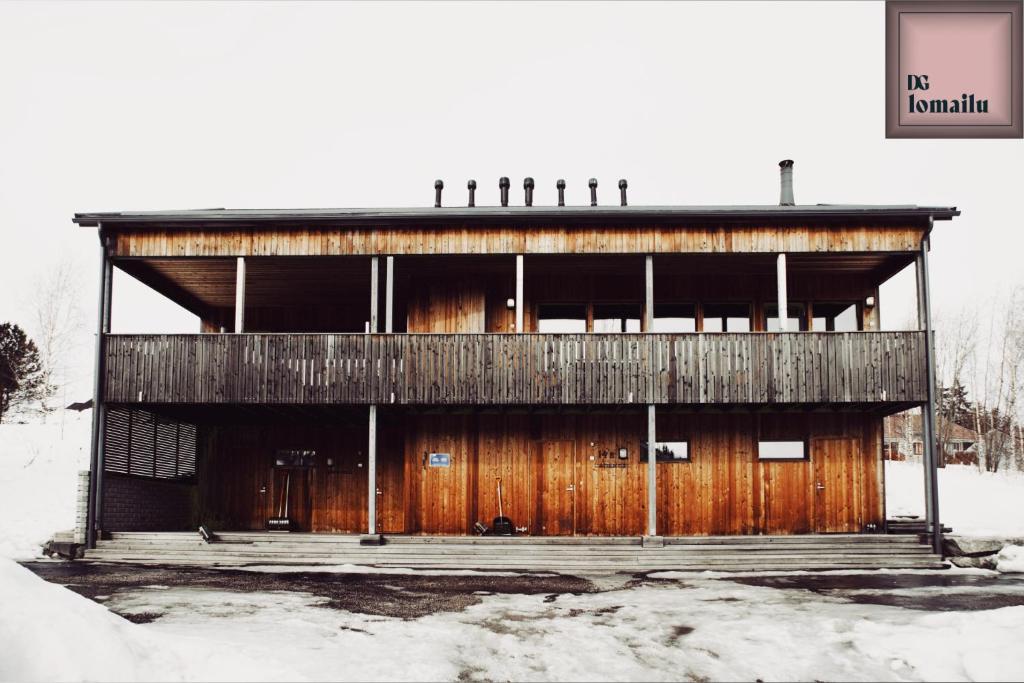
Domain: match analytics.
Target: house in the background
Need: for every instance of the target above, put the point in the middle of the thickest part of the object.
(904, 440)
(397, 373)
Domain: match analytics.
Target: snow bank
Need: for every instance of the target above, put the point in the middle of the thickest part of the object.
(48, 633)
(973, 503)
(39, 464)
(1010, 559)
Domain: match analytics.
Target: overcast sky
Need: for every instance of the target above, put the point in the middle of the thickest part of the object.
(187, 105)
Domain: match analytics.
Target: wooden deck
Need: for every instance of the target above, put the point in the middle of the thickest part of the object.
(548, 554)
(507, 369)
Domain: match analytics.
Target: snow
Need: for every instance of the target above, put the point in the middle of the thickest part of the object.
(39, 465)
(1010, 559)
(971, 502)
(48, 633)
(700, 628)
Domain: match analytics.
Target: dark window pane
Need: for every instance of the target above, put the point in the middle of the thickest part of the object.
(568, 318)
(835, 317)
(781, 450)
(726, 318)
(617, 317)
(795, 315)
(675, 318)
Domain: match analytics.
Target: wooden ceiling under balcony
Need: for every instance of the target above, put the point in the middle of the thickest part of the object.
(208, 283)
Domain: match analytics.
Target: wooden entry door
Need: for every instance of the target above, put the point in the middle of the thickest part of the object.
(835, 485)
(556, 504)
(290, 494)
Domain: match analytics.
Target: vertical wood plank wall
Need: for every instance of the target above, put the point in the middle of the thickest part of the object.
(723, 489)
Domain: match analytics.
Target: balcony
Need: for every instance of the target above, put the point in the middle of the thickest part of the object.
(798, 368)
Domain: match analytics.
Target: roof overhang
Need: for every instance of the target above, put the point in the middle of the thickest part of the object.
(256, 218)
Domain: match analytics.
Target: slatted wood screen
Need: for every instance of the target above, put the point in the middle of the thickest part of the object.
(142, 444)
(506, 369)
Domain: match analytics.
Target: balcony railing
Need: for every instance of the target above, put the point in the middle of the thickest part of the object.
(508, 369)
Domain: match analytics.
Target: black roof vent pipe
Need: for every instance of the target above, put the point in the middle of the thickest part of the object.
(471, 185)
(504, 184)
(622, 191)
(593, 191)
(561, 191)
(528, 188)
(438, 186)
(786, 186)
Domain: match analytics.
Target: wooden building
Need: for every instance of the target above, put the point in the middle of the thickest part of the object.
(378, 371)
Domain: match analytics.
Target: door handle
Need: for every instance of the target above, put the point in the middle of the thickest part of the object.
(571, 487)
(819, 486)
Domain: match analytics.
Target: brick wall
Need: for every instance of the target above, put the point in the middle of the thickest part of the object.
(136, 504)
(82, 506)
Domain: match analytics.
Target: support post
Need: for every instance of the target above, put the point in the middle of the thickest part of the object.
(519, 294)
(371, 475)
(648, 293)
(389, 294)
(374, 294)
(240, 295)
(652, 473)
(926, 434)
(929, 341)
(780, 271)
(94, 512)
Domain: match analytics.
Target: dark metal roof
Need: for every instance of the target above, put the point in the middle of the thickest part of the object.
(390, 216)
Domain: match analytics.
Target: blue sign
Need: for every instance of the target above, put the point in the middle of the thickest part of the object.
(440, 460)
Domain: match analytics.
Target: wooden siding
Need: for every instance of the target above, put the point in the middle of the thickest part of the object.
(497, 369)
(722, 489)
(514, 239)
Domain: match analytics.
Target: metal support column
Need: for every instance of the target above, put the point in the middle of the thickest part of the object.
(374, 294)
(519, 294)
(94, 512)
(371, 474)
(929, 447)
(240, 295)
(926, 434)
(648, 293)
(652, 473)
(389, 294)
(783, 301)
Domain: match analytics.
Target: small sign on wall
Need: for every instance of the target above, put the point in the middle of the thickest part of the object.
(440, 460)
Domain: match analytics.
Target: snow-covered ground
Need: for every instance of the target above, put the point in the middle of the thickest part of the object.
(39, 464)
(697, 629)
(973, 503)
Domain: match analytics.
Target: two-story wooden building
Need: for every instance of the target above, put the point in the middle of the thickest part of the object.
(377, 371)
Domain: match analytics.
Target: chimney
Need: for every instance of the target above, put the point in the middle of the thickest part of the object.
(504, 184)
(561, 191)
(528, 187)
(593, 191)
(438, 186)
(622, 191)
(471, 185)
(786, 172)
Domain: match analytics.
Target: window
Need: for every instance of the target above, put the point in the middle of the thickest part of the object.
(726, 318)
(835, 317)
(675, 318)
(781, 450)
(617, 317)
(918, 448)
(672, 451)
(796, 316)
(567, 318)
(893, 448)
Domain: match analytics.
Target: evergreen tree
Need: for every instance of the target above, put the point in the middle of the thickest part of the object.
(21, 372)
